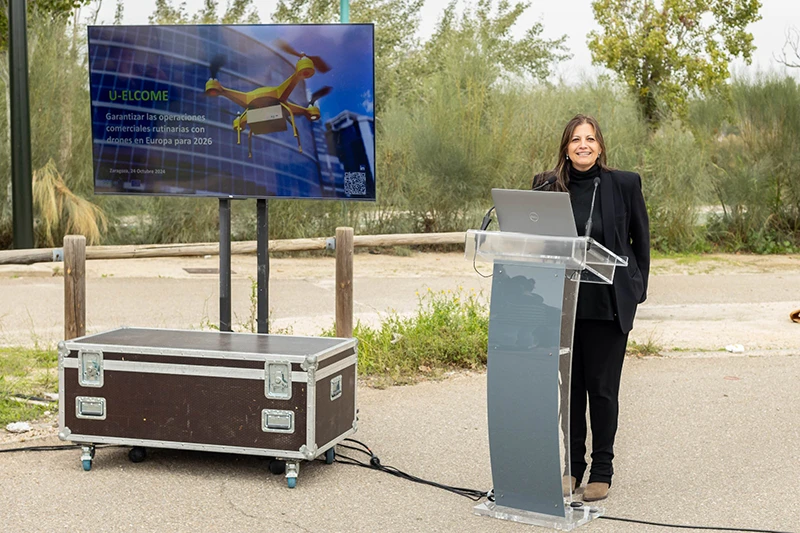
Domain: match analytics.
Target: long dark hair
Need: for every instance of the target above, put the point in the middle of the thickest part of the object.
(561, 170)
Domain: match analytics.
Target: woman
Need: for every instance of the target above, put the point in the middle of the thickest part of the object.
(605, 312)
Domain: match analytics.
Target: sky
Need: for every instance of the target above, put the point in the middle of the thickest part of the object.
(573, 18)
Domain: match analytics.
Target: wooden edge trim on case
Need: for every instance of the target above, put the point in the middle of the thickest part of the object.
(173, 352)
(186, 370)
(345, 345)
(237, 333)
(100, 439)
(335, 358)
(338, 367)
(189, 359)
(196, 361)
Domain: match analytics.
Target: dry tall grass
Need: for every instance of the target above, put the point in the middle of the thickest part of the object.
(61, 212)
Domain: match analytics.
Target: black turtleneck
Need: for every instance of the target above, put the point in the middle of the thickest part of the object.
(594, 300)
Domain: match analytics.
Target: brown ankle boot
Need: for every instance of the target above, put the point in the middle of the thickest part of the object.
(595, 491)
(568, 484)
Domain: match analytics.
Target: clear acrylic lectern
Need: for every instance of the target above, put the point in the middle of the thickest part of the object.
(531, 320)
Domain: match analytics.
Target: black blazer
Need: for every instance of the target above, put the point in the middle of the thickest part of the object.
(626, 232)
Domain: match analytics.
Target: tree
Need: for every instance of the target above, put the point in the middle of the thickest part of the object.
(486, 32)
(793, 45)
(402, 62)
(57, 9)
(666, 53)
(396, 24)
(237, 12)
(119, 12)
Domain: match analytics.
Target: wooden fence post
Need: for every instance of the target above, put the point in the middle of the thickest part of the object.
(344, 282)
(74, 286)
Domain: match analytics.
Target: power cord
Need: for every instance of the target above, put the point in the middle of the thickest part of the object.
(678, 526)
(56, 448)
(474, 266)
(476, 495)
(375, 464)
(486, 221)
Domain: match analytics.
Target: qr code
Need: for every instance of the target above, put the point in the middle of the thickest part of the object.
(355, 183)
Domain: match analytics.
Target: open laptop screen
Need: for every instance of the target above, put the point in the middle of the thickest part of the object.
(534, 212)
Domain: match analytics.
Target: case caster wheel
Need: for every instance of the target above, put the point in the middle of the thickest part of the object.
(87, 455)
(292, 471)
(277, 467)
(330, 455)
(137, 454)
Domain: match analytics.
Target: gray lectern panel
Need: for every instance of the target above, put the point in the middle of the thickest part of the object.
(523, 386)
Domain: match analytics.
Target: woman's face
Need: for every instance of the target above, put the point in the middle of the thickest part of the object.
(583, 148)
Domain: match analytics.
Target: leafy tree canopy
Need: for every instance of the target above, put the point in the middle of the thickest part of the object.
(485, 32)
(58, 9)
(666, 49)
(403, 63)
(237, 12)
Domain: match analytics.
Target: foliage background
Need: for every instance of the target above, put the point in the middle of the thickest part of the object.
(469, 109)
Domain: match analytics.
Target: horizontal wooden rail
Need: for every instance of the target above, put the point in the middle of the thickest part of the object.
(45, 255)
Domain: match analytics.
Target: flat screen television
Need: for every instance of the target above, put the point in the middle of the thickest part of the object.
(234, 111)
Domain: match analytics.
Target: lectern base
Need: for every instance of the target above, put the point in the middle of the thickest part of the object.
(575, 516)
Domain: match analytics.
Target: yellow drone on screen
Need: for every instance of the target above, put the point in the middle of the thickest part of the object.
(267, 109)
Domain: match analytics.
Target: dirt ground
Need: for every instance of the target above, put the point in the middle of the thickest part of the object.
(696, 305)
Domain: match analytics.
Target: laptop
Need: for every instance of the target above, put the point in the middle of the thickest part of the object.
(534, 212)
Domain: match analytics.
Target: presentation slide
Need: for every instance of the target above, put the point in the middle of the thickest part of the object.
(239, 111)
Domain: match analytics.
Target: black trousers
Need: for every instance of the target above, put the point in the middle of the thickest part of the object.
(598, 351)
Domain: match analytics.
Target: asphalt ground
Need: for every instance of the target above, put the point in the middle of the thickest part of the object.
(702, 442)
(706, 438)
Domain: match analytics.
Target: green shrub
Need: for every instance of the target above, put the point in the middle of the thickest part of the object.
(674, 169)
(448, 331)
(25, 372)
(754, 166)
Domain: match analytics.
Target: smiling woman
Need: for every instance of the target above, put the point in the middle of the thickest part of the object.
(584, 149)
(609, 207)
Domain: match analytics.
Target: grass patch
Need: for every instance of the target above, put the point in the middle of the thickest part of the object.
(402, 251)
(685, 258)
(696, 350)
(449, 331)
(28, 372)
(648, 348)
(693, 259)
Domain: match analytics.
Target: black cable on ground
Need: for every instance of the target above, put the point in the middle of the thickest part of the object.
(34, 398)
(40, 448)
(375, 464)
(693, 527)
(476, 495)
(55, 448)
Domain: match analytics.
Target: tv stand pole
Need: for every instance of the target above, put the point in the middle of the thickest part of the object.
(262, 277)
(262, 208)
(224, 264)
